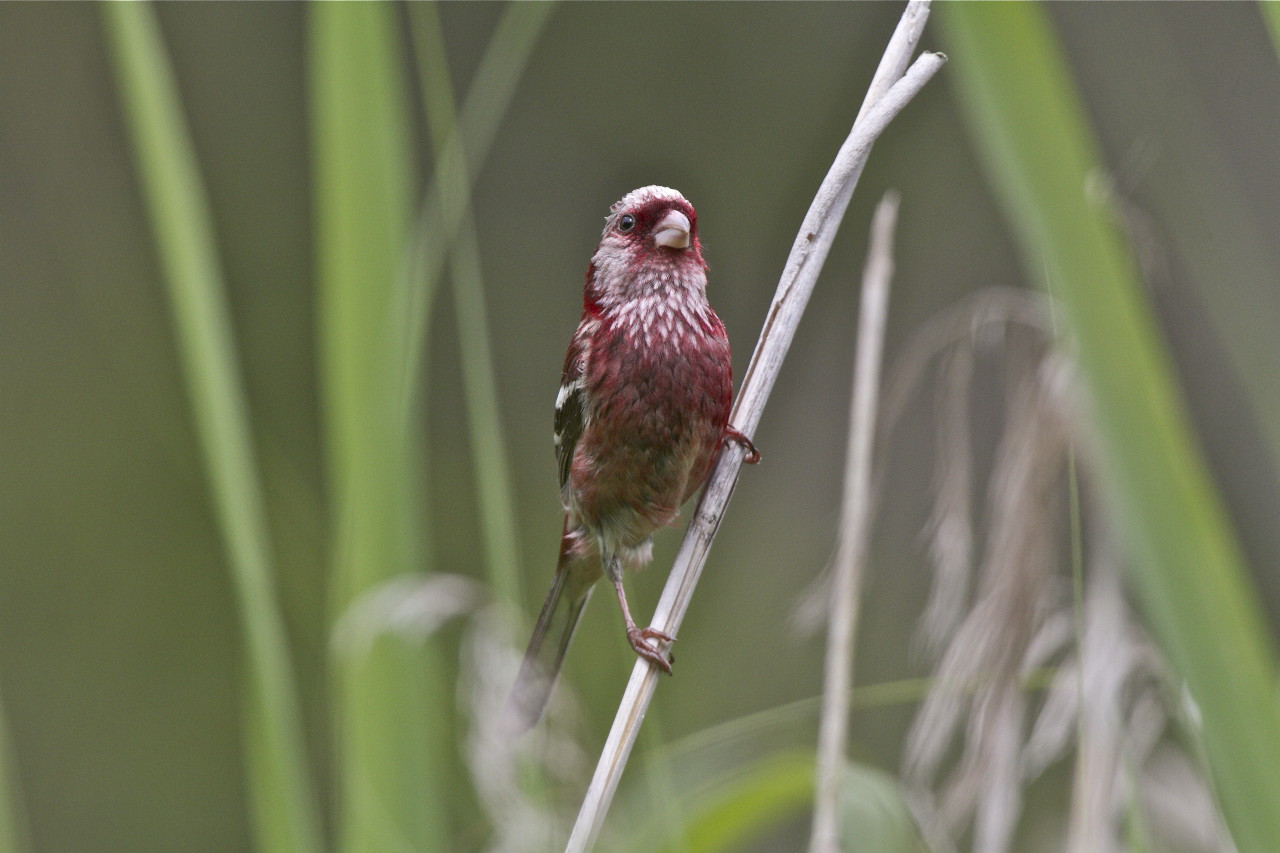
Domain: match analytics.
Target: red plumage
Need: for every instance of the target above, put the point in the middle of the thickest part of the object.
(642, 411)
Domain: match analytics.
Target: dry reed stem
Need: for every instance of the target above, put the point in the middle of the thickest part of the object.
(856, 510)
(798, 278)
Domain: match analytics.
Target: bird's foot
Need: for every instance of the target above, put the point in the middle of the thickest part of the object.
(642, 640)
(753, 455)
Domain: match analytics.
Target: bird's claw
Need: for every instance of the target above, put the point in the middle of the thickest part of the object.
(738, 438)
(642, 640)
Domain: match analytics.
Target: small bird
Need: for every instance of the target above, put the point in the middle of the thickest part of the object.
(641, 414)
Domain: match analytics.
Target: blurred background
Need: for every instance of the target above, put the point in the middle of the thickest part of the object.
(122, 666)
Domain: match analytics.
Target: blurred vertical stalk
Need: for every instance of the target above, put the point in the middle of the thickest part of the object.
(283, 803)
(14, 835)
(453, 180)
(846, 591)
(1032, 131)
(390, 698)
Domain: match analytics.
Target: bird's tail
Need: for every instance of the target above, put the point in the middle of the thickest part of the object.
(570, 591)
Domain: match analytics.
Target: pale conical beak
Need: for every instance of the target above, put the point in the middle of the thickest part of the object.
(672, 230)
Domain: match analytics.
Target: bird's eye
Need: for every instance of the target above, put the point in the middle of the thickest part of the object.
(626, 222)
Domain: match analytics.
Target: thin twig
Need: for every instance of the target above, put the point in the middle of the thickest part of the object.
(798, 279)
(846, 591)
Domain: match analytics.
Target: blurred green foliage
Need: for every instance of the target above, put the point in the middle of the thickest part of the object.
(1187, 566)
(389, 703)
(284, 807)
(121, 663)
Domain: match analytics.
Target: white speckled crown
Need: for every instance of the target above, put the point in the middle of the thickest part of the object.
(644, 194)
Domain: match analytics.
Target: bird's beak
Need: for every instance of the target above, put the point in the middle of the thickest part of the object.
(672, 230)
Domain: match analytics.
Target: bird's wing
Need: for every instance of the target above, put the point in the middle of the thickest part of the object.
(571, 411)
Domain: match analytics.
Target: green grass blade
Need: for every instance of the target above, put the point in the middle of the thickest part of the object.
(1028, 123)
(1270, 11)
(495, 495)
(283, 804)
(447, 198)
(757, 726)
(14, 834)
(391, 705)
(1224, 263)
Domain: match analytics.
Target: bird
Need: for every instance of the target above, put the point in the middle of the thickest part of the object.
(641, 414)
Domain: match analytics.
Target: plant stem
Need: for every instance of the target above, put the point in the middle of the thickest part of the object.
(850, 559)
(390, 701)
(798, 279)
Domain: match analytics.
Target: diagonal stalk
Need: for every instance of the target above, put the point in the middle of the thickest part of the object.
(453, 179)
(447, 202)
(798, 279)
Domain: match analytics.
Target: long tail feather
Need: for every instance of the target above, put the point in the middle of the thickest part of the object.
(570, 591)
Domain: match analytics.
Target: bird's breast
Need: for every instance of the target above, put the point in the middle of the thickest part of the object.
(662, 370)
(659, 385)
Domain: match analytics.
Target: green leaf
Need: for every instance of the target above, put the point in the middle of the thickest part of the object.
(874, 813)
(761, 795)
(1032, 132)
(744, 804)
(283, 803)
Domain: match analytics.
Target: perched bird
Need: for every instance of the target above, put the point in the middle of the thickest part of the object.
(641, 413)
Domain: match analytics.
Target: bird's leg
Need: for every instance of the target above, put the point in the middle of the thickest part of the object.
(641, 639)
(753, 455)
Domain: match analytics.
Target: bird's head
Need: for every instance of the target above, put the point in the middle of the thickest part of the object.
(650, 237)
(653, 222)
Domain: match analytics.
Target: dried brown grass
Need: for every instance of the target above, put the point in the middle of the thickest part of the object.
(1001, 606)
